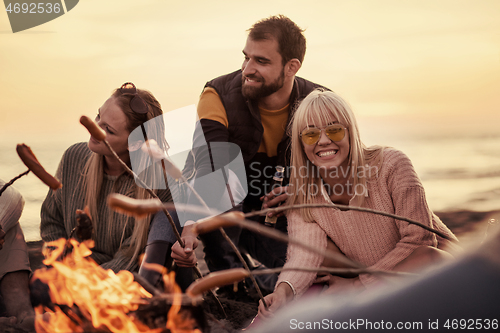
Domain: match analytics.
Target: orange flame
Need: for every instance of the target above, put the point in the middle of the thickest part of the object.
(102, 297)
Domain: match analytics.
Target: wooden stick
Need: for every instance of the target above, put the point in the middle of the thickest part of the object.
(4, 187)
(169, 217)
(146, 285)
(146, 187)
(272, 233)
(97, 132)
(345, 207)
(233, 246)
(334, 271)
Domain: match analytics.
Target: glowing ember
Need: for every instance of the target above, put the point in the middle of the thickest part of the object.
(89, 298)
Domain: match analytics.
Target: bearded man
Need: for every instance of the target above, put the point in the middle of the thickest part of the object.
(252, 108)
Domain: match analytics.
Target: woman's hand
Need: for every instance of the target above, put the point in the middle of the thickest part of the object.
(275, 301)
(185, 256)
(275, 198)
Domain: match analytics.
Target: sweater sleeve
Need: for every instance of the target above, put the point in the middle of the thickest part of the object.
(312, 234)
(11, 207)
(100, 257)
(409, 201)
(120, 260)
(210, 107)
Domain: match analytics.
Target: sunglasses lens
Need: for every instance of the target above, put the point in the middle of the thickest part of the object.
(335, 132)
(310, 135)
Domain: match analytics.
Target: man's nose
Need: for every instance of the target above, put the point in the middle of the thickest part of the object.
(248, 67)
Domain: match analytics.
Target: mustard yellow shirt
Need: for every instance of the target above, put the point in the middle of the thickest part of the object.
(274, 121)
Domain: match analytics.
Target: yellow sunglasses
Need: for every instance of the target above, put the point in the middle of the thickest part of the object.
(311, 135)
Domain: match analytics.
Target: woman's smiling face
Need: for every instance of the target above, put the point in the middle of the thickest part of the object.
(112, 119)
(325, 153)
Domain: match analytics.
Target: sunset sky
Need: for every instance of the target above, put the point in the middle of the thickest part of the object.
(405, 64)
(413, 70)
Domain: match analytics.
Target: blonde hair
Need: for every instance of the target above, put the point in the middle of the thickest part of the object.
(94, 170)
(321, 107)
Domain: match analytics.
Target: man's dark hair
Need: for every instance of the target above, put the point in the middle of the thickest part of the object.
(291, 41)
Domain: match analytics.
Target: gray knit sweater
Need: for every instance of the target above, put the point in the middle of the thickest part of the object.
(58, 216)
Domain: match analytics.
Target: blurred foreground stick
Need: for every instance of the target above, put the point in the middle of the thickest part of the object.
(4, 187)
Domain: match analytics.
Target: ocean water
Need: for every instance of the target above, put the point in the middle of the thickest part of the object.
(458, 173)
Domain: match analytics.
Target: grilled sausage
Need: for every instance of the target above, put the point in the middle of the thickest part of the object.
(32, 163)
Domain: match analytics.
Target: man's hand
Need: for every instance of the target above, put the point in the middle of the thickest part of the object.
(185, 257)
(275, 198)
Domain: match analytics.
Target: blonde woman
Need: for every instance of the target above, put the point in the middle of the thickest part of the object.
(329, 163)
(89, 173)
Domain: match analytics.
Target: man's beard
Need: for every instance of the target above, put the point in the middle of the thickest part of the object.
(265, 89)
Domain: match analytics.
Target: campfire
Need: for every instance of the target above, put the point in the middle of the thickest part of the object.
(86, 298)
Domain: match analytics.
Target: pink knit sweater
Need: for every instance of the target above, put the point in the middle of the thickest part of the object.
(373, 240)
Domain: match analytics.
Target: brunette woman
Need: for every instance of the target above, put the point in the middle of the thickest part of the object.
(89, 173)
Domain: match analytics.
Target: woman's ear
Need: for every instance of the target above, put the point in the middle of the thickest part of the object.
(135, 146)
